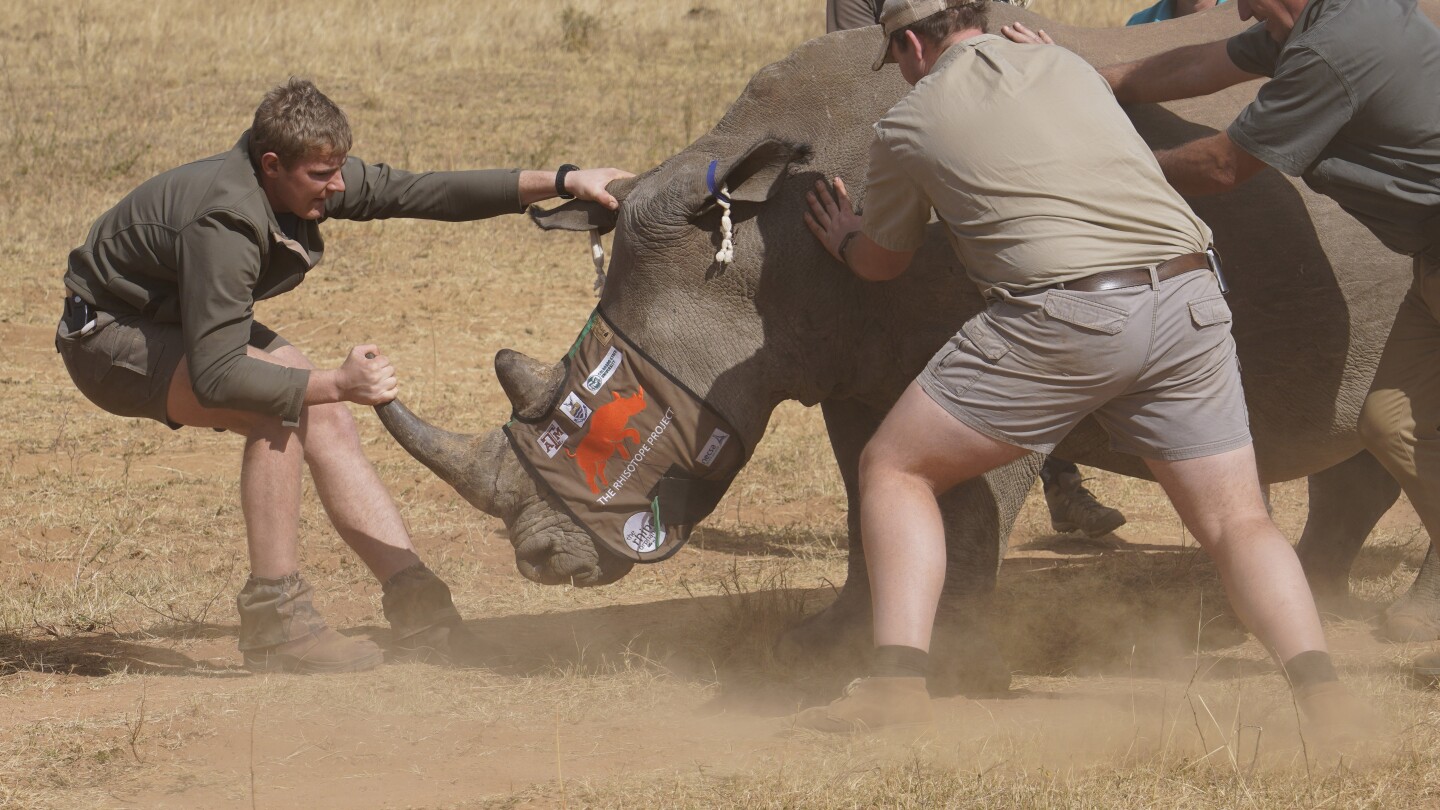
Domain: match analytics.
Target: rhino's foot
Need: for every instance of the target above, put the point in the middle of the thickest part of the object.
(1333, 599)
(965, 660)
(1411, 620)
(837, 640)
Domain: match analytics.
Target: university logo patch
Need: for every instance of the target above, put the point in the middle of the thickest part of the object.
(596, 379)
(609, 428)
(575, 410)
(552, 439)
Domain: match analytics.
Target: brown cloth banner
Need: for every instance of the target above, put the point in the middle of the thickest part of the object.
(631, 454)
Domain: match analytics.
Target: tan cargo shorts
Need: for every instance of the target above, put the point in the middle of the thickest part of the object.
(125, 364)
(1155, 365)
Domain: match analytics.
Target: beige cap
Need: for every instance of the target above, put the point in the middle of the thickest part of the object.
(899, 13)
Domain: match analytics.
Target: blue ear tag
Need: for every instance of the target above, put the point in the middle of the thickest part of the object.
(710, 183)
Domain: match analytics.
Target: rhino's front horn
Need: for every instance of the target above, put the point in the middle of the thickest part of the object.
(530, 384)
(467, 463)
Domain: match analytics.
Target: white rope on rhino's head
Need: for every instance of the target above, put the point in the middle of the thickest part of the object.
(726, 254)
(597, 255)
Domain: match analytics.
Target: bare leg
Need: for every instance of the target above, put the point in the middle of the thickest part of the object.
(919, 452)
(356, 501)
(1219, 499)
(354, 498)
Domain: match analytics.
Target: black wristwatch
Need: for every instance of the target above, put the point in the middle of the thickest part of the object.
(565, 168)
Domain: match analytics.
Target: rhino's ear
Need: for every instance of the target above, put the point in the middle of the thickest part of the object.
(576, 215)
(755, 175)
(583, 215)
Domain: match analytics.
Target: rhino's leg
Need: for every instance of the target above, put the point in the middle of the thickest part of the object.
(979, 515)
(1416, 615)
(838, 638)
(1346, 501)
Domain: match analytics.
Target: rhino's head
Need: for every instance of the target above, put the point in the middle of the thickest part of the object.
(549, 548)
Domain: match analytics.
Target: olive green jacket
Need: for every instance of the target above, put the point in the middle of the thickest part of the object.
(199, 245)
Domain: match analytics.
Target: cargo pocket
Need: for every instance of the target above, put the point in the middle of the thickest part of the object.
(119, 344)
(986, 340)
(1209, 311)
(1092, 315)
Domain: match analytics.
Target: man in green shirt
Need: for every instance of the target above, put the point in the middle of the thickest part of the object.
(159, 323)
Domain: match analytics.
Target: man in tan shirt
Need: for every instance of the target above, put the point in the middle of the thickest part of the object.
(1101, 303)
(1072, 506)
(159, 324)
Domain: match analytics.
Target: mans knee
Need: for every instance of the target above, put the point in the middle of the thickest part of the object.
(880, 461)
(329, 423)
(876, 461)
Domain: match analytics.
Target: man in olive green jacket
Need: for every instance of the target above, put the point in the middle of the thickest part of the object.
(159, 323)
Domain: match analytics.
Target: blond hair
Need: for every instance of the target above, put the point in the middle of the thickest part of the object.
(296, 121)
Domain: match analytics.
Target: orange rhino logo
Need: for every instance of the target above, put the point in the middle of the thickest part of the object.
(608, 432)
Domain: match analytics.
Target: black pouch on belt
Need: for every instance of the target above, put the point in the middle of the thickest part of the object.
(78, 314)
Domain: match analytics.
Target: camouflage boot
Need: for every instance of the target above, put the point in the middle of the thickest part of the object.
(875, 704)
(425, 622)
(1073, 508)
(280, 631)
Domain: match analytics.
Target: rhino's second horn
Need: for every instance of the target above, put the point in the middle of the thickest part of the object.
(529, 383)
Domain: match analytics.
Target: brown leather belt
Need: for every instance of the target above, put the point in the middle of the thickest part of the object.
(1135, 276)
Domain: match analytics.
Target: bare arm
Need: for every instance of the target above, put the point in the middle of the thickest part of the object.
(1194, 70)
(834, 222)
(1209, 165)
(872, 262)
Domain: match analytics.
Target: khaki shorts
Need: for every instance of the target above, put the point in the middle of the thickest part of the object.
(1155, 365)
(126, 363)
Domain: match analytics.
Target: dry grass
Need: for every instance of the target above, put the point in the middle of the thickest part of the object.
(122, 544)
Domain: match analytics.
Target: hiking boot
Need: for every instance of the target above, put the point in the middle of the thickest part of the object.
(1073, 508)
(1333, 712)
(1405, 622)
(281, 631)
(871, 705)
(426, 624)
(321, 652)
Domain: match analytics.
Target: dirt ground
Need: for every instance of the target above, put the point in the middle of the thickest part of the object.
(123, 544)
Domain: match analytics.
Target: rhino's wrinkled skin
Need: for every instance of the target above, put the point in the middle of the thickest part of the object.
(1313, 295)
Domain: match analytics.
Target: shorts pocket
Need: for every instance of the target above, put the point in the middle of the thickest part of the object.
(985, 339)
(1086, 314)
(1209, 311)
(115, 343)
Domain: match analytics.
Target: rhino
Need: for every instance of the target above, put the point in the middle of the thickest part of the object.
(1313, 294)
